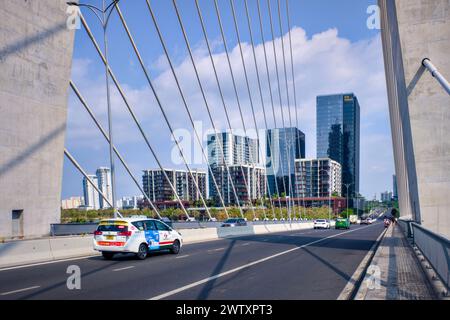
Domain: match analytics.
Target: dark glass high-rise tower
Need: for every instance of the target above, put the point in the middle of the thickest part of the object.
(283, 147)
(338, 132)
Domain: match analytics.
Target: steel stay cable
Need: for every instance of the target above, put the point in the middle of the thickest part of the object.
(279, 95)
(147, 76)
(262, 99)
(235, 87)
(271, 99)
(287, 87)
(220, 88)
(78, 166)
(205, 99)
(251, 101)
(185, 102)
(249, 92)
(293, 82)
(105, 135)
(133, 115)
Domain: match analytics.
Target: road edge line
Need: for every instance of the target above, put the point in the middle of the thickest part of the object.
(353, 285)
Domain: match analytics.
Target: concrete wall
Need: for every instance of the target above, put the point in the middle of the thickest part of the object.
(35, 63)
(22, 252)
(420, 108)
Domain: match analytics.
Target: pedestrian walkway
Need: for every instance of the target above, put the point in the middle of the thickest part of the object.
(395, 272)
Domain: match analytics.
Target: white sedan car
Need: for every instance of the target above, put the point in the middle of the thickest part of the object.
(321, 224)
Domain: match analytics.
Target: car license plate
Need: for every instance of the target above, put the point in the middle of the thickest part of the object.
(109, 237)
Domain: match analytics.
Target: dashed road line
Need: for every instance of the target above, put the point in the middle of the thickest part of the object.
(19, 290)
(124, 268)
(183, 256)
(218, 249)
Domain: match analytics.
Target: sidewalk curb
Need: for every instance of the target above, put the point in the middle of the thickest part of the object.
(353, 285)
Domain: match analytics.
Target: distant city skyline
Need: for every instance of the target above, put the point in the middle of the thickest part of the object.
(237, 151)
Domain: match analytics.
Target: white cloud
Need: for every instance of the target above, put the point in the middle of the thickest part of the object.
(323, 64)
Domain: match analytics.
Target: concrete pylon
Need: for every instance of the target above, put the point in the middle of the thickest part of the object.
(35, 64)
(419, 107)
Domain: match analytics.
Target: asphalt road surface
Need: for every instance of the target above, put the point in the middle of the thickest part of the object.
(305, 264)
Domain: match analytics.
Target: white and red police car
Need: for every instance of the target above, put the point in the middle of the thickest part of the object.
(137, 234)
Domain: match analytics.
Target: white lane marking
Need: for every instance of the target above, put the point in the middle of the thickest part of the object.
(181, 257)
(48, 262)
(245, 244)
(124, 268)
(218, 249)
(197, 283)
(19, 290)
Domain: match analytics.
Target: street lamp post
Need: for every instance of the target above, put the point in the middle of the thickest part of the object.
(103, 16)
(359, 196)
(329, 190)
(347, 185)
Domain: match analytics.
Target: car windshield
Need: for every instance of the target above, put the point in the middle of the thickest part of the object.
(112, 228)
(321, 220)
(231, 221)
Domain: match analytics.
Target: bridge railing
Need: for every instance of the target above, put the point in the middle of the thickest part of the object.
(406, 227)
(434, 247)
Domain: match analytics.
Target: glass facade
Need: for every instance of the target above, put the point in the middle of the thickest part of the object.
(283, 147)
(338, 131)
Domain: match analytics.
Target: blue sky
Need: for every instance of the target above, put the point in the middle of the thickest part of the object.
(334, 52)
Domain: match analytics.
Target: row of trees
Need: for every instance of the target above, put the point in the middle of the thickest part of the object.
(80, 216)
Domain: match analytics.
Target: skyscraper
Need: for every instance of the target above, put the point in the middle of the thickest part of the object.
(91, 196)
(240, 155)
(104, 184)
(338, 130)
(283, 147)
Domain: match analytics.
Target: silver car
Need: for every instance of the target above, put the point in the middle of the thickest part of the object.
(234, 222)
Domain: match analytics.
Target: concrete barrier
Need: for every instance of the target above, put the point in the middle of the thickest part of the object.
(62, 248)
(261, 229)
(32, 251)
(25, 251)
(22, 252)
(198, 235)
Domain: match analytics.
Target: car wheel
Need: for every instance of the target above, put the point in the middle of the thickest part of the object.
(107, 255)
(175, 247)
(142, 251)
